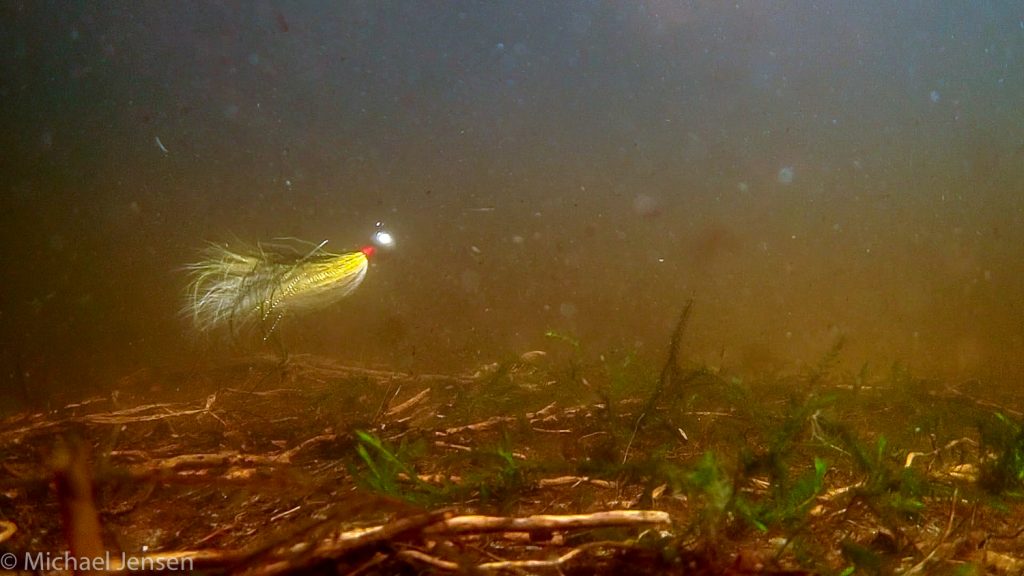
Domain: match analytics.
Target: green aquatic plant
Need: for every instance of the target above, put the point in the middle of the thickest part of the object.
(827, 363)
(1003, 474)
(494, 476)
(900, 376)
(721, 498)
(672, 384)
(565, 338)
(710, 480)
(791, 493)
(782, 438)
(892, 492)
(388, 472)
(627, 376)
(861, 378)
(503, 478)
(791, 501)
(711, 487)
(864, 559)
(382, 464)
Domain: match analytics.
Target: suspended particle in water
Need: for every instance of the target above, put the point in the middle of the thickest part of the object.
(934, 96)
(470, 281)
(645, 206)
(785, 175)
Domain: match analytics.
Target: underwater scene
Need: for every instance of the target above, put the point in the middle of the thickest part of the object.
(574, 287)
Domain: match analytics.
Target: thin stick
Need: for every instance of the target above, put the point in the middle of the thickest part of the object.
(916, 568)
(7, 529)
(509, 565)
(472, 524)
(408, 403)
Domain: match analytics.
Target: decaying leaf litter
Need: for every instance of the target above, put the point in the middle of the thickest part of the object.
(545, 463)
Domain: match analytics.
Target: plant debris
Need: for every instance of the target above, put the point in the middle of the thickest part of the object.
(528, 466)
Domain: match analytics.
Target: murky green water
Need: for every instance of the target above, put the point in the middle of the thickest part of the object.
(802, 170)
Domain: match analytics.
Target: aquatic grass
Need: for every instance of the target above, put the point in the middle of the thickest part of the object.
(756, 458)
(900, 377)
(383, 464)
(792, 490)
(823, 369)
(791, 501)
(388, 472)
(889, 491)
(626, 375)
(572, 341)
(497, 390)
(714, 489)
(723, 505)
(1004, 473)
(495, 476)
(502, 480)
(864, 559)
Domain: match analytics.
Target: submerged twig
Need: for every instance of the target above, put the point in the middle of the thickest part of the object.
(442, 524)
(510, 565)
(7, 529)
(547, 522)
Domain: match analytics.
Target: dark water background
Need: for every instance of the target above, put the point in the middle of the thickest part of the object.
(803, 170)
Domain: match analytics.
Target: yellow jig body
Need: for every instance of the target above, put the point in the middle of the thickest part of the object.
(246, 289)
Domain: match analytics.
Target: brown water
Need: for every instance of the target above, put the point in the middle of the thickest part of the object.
(802, 170)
